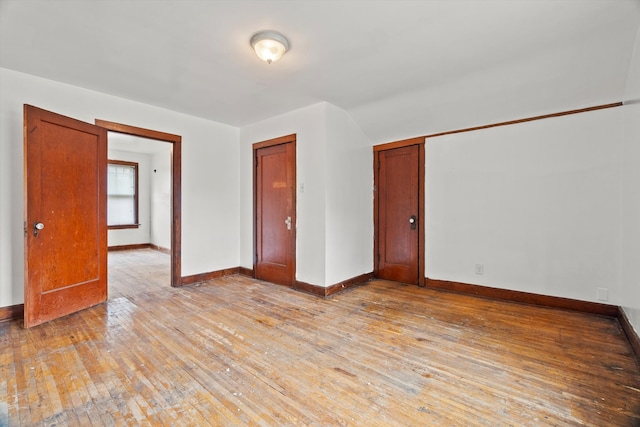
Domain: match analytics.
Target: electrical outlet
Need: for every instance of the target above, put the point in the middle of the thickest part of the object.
(602, 294)
(479, 269)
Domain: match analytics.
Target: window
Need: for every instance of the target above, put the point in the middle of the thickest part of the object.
(122, 193)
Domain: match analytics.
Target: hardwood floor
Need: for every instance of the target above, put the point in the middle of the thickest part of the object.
(237, 351)
(138, 273)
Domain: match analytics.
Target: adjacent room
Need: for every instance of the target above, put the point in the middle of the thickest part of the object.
(358, 212)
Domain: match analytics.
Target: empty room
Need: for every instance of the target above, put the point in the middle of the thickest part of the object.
(283, 213)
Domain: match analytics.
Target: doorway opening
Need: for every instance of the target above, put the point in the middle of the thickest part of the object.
(161, 153)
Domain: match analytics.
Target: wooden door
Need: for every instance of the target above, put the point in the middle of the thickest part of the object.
(275, 218)
(399, 214)
(65, 215)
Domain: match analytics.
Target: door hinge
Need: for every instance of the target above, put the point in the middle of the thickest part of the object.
(25, 229)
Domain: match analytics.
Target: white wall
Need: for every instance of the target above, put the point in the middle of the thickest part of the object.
(538, 204)
(142, 234)
(349, 198)
(209, 173)
(630, 267)
(160, 172)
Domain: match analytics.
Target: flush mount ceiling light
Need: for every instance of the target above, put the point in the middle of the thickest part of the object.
(269, 45)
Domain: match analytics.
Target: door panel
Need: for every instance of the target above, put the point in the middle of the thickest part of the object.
(275, 213)
(398, 216)
(65, 187)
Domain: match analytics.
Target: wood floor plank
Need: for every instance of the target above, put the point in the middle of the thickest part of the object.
(238, 351)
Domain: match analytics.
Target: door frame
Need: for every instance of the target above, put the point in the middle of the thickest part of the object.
(255, 147)
(420, 142)
(176, 187)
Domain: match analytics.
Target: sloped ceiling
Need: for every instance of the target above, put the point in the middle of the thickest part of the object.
(400, 68)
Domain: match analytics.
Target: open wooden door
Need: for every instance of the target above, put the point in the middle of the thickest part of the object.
(275, 221)
(399, 211)
(65, 215)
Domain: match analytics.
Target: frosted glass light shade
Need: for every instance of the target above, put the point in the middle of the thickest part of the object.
(269, 45)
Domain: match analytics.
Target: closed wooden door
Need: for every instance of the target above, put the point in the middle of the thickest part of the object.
(399, 214)
(65, 215)
(275, 210)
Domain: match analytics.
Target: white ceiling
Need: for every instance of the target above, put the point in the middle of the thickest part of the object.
(400, 68)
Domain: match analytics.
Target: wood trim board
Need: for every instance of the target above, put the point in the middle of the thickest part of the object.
(336, 288)
(527, 119)
(130, 247)
(11, 312)
(246, 271)
(140, 246)
(631, 334)
(399, 144)
(203, 277)
(160, 249)
(525, 297)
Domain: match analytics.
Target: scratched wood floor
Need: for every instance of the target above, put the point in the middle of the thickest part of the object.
(236, 351)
